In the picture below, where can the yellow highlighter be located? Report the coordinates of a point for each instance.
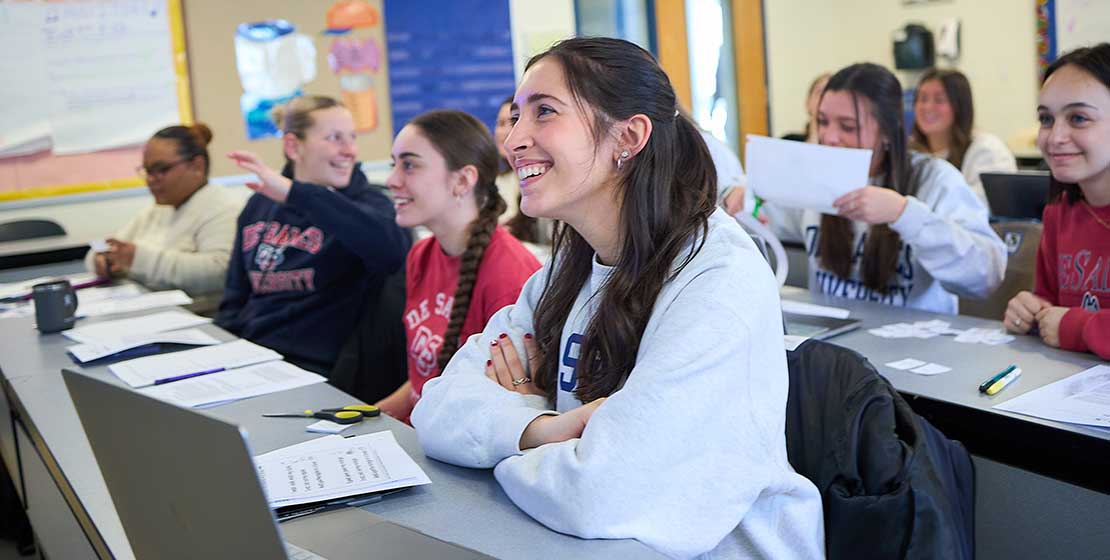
(1004, 382)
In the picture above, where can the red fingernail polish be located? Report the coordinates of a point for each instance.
(527, 336)
(489, 363)
(493, 343)
(503, 335)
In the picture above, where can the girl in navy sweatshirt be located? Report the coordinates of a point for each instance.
(311, 242)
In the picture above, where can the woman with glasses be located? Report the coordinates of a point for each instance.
(314, 243)
(183, 241)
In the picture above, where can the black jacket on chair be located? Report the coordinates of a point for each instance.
(891, 484)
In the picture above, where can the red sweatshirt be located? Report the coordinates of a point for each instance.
(431, 279)
(1073, 270)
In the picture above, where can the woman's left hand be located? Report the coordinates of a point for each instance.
(505, 368)
(872, 205)
(1048, 322)
(272, 184)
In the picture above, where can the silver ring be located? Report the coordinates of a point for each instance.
(521, 381)
(1017, 322)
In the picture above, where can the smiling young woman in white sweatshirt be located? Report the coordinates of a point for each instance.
(629, 393)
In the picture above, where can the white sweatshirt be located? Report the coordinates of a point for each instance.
(688, 457)
(184, 248)
(987, 153)
(948, 246)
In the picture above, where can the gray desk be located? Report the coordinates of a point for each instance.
(466, 506)
(1042, 488)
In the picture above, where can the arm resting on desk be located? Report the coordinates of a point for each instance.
(1084, 331)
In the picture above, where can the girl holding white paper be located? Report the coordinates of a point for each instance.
(916, 236)
(629, 393)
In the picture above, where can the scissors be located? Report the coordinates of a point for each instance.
(351, 414)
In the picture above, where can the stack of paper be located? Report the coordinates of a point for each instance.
(334, 467)
(1083, 398)
(96, 350)
(801, 175)
(130, 303)
(100, 340)
(232, 385)
(164, 368)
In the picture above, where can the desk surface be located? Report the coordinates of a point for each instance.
(465, 506)
(952, 400)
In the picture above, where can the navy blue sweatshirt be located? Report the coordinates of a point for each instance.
(300, 271)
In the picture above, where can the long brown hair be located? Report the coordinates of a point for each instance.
(880, 254)
(1096, 62)
(463, 140)
(958, 91)
(667, 193)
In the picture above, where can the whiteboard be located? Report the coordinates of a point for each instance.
(92, 77)
(1081, 23)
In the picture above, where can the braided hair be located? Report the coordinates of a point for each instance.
(463, 140)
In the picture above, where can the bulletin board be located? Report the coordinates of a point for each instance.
(219, 92)
(86, 83)
(1063, 25)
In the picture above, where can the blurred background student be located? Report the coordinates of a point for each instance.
(944, 125)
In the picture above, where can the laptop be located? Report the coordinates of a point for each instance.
(821, 328)
(185, 487)
(1016, 196)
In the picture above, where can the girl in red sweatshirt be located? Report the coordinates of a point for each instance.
(1071, 303)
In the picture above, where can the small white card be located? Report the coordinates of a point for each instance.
(907, 363)
(98, 246)
(931, 369)
(327, 427)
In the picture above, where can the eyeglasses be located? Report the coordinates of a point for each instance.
(158, 170)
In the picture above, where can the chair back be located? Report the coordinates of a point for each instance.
(19, 230)
(1022, 239)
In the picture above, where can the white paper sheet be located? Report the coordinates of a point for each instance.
(97, 350)
(334, 467)
(98, 246)
(146, 371)
(802, 175)
(327, 427)
(1083, 398)
(931, 369)
(813, 310)
(233, 385)
(109, 332)
(150, 300)
(907, 363)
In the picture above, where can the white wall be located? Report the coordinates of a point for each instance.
(998, 52)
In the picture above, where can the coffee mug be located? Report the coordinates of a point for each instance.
(55, 305)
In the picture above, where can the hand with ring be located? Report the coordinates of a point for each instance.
(1021, 312)
(506, 368)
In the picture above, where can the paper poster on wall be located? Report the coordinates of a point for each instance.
(274, 62)
(356, 58)
(93, 75)
(449, 54)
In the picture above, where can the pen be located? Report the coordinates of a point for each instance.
(987, 384)
(1004, 382)
(186, 376)
(758, 203)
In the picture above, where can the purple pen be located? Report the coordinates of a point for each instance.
(187, 376)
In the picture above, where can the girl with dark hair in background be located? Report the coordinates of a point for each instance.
(184, 240)
(916, 236)
(629, 393)
(1070, 303)
(444, 165)
(312, 241)
(944, 119)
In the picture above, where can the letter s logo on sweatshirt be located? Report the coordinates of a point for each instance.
(568, 372)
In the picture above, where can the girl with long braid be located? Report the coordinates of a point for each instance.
(444, 166)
